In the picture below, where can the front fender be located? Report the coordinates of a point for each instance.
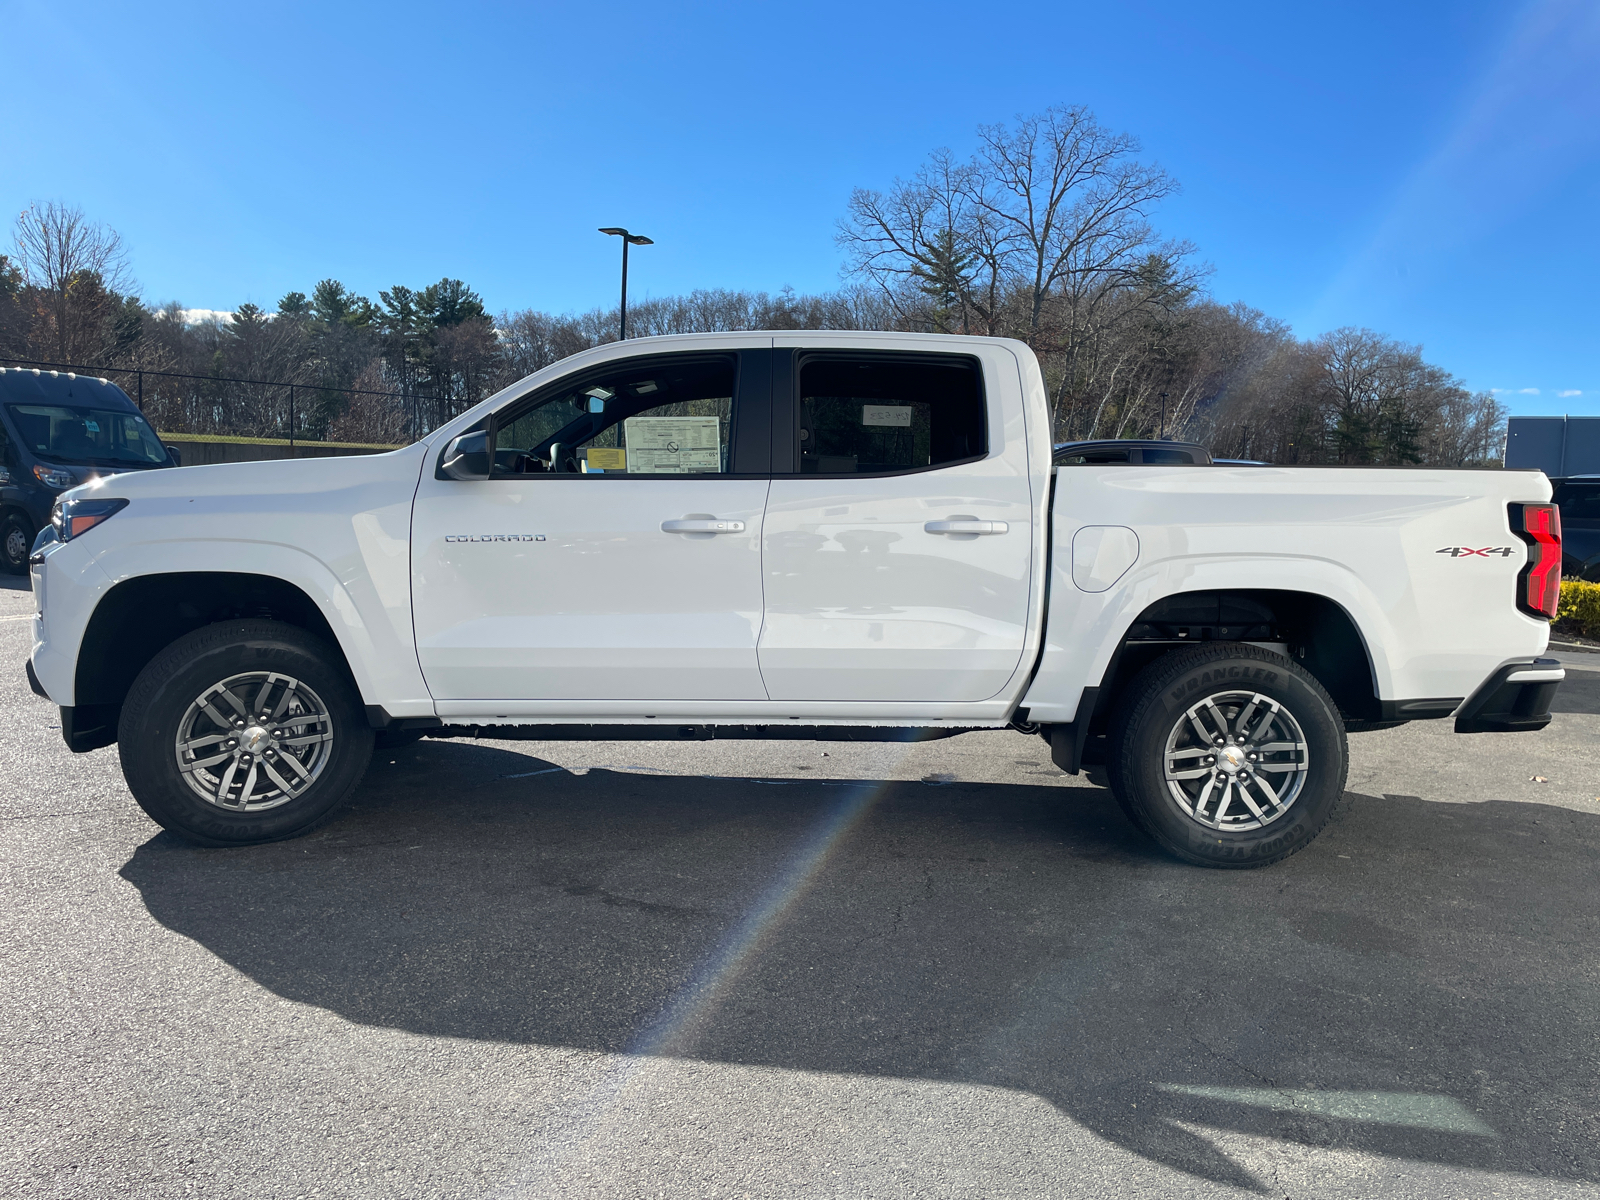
(338, 530)
(375, 641)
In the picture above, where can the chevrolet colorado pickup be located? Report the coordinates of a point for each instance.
(788, 535)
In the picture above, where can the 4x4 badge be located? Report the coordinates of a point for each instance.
(1468, 551)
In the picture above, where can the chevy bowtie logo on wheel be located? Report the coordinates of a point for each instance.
(1468, 551)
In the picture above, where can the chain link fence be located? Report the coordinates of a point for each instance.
(222, 406)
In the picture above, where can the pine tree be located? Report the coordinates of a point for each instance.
(943, 276)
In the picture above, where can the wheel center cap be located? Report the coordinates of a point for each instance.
(1231, 759)
(252, 739)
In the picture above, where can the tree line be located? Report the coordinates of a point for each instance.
(1045, 234)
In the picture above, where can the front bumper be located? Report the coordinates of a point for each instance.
(1515, 699)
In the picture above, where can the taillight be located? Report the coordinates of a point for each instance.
(1539, 583)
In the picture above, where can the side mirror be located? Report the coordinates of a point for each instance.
(174, 456)
(466, 457)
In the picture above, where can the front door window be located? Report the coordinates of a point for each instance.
(659, 417)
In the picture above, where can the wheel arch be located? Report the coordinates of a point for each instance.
(1315, 630)
(1318, 632)
(139, 617)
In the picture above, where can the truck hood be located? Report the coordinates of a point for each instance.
(279, 477)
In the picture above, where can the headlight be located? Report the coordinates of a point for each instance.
(54, 476)
(74, 517)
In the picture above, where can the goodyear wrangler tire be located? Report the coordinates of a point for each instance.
(243, 732)
(1228, 755)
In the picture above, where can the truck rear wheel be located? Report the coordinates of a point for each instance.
(243, 732)
(1228, 755)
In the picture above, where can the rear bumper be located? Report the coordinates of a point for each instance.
(1515, 699)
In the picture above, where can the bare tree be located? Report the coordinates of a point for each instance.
(77, 269)
(1043, 235)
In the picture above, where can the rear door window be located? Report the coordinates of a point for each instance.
(888, 414)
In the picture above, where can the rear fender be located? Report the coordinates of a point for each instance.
(1085, 630)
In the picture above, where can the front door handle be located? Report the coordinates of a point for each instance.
(963, 526)
(701, 525)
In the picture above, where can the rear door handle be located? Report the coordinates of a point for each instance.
(966, 527)
(697, 525)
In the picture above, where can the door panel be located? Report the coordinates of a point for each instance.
(863, 603)
(613, 556)
(903, 587)
(570, 588)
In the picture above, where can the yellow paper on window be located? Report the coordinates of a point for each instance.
(608, 459)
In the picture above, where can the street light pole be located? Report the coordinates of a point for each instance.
(627, 240)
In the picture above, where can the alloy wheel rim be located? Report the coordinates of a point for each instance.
(16, 545)
(254, 741)
(1236, 761)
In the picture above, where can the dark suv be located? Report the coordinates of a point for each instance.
(1578, 498)
(58, 430)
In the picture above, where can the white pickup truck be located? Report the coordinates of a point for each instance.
(854, 536)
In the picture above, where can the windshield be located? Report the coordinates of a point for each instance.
(98, 437)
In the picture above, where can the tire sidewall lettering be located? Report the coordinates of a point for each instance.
(1164, 692)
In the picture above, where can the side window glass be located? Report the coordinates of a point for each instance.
(866, 415)
(648, 417)
(1093, 458)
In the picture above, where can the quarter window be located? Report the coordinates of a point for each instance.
(885, 415)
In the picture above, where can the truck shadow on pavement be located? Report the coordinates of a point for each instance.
(1419, 983)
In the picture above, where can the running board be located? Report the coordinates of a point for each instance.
(694, 733)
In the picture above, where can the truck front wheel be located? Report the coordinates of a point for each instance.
(16, 540)
(1228, 755)
(243, 732)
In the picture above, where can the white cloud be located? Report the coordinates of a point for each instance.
(202, 316)
(1528, 392)
(1569, 392)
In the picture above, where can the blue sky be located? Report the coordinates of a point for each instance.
(1429, 170)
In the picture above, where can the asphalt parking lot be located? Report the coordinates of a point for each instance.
(791, 969)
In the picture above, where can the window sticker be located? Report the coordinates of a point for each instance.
(673, 445)
(886, 414)
(604, 459)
